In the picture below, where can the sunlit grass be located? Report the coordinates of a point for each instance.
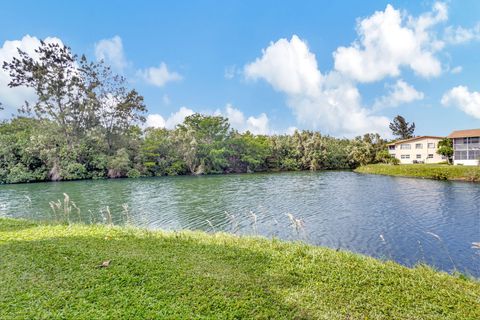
(428, 171)
(52, 271)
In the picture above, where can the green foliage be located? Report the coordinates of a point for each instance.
(445, 148)
(35, 150)
(394, 161)
(401, 128)
(119, 165)
(133, 173)
(383, 156)
(19, 173)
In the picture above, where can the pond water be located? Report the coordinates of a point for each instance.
(407, 220)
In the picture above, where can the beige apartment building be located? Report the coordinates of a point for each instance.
(416, 150)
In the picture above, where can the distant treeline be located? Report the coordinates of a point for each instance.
(86, 124)
(35, 150)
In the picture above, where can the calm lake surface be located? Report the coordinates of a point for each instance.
(406, 220)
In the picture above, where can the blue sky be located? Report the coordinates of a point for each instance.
(343, 67)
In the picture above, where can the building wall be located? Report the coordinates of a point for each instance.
(407, 156)
(466, 162)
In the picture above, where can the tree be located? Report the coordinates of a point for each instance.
(56, 81)
(76, 94)
(445, 148)
(204, 143)
(401, 128)
(383, 156)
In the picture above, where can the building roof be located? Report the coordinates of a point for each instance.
(465, 133)
(414, 139)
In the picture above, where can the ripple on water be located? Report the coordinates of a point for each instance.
(407, 220)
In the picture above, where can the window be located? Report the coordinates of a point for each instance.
(419, 156)
(405, 156)
(460, 155)
(431, 145)
(392, 154)
(473, 154)
(430, 156)
(473, 140)
(419, 146)
(391, 147)
(405, 146)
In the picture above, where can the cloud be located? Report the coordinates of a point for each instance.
(460, 35)
(456, 70)
(291, 130)
(155, 120)
(288, 66)
(399, 93)
(388, 41)
(331, 103)
(178, 117)
(111, 51)
(159, 76)
(236, 118)
(230, 72)
(166, 99)
(462, 98)
(13, 98)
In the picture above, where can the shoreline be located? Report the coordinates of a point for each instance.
(424, 171)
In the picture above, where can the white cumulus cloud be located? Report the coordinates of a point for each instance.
(288, 66)
(155, 120)
(330, 103)
(460, 35)
(238, 121)
(399, 93)
(464, 99)
(389, 40)
(111, 51)
(13, 98)
(159, 76)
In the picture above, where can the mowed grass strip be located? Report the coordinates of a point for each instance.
(427, 171)
(52, 272)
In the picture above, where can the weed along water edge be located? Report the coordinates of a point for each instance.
(410, 221)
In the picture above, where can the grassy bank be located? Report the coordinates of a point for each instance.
(428, 171)
(53, 272)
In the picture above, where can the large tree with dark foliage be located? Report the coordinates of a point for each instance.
(84, 119)
(401, 128)
(76, 94)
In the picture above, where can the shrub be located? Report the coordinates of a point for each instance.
(439, 175)
(133, 173)
(73, 171)
(19, 173)
(394, 161)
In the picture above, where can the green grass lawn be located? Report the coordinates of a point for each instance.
(429, 171)
(51, 272)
